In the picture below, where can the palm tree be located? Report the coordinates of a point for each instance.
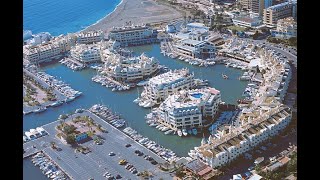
(53, 144)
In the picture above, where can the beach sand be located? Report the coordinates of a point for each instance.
(138, 12)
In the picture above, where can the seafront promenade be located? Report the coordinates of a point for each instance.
(97, 162)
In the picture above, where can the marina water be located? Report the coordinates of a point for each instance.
(64, 16)
(121, 102)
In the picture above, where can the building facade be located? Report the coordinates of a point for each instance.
(54, 49)
(187, 108)
(163, 85)
(133, 35)
(86, 53)
(130, 69)
(247, 21)
(195, 49)
(274, 13)
(286, 28)
(89, 37)
(219, 152)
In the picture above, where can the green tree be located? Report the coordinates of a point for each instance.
(234, 31)
(255, 35)
(70, 139)
(292, 41)
(257, 168)
(179, 172)
(292, 165)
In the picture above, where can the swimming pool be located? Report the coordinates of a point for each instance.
(197, 95)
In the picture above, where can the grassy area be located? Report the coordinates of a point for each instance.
(288, 42)
(237, 28)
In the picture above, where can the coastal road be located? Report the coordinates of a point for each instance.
(289, 53)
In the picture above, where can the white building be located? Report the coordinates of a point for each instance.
(221, 151)
(41, 53)
(54, 49)
(86, 53)
(133, 35)
(196, 26)
(187, 108)
(130, 69)
(286, 28)
(195, 49)
(247, 21)
(39, 38)
(89, 37)
(163, 85)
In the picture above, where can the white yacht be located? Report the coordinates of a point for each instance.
(179, 132)
(184, 132)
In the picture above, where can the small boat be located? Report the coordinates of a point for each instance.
(39, 110)
(168, 132)
(184, 132)
(55, 104)
(189, 131)
(165, 129)
(70, 99)
(225, 76)
(194, 131)
(179, 133)
(153, 125)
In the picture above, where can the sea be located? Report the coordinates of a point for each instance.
(60, 17)
(64, 16)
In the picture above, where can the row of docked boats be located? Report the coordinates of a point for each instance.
(164, 153)
(235, 64)
(33, 134)
(47, 167)
(185, 132)
(167, 130)
(146, 103)
(60, 86)
(106, 114)
(246, 76)
(72, 64)
(104, 81)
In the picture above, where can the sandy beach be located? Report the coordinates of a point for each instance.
(136, 11)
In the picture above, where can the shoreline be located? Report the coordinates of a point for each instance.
(103, 17)
(137, 11)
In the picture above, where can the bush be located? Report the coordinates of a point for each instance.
(70, 139)
(69, 129)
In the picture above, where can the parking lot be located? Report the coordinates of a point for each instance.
(98, 162)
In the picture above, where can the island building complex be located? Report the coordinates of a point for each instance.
(187, 109)
(130, 69)
(163, 85)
